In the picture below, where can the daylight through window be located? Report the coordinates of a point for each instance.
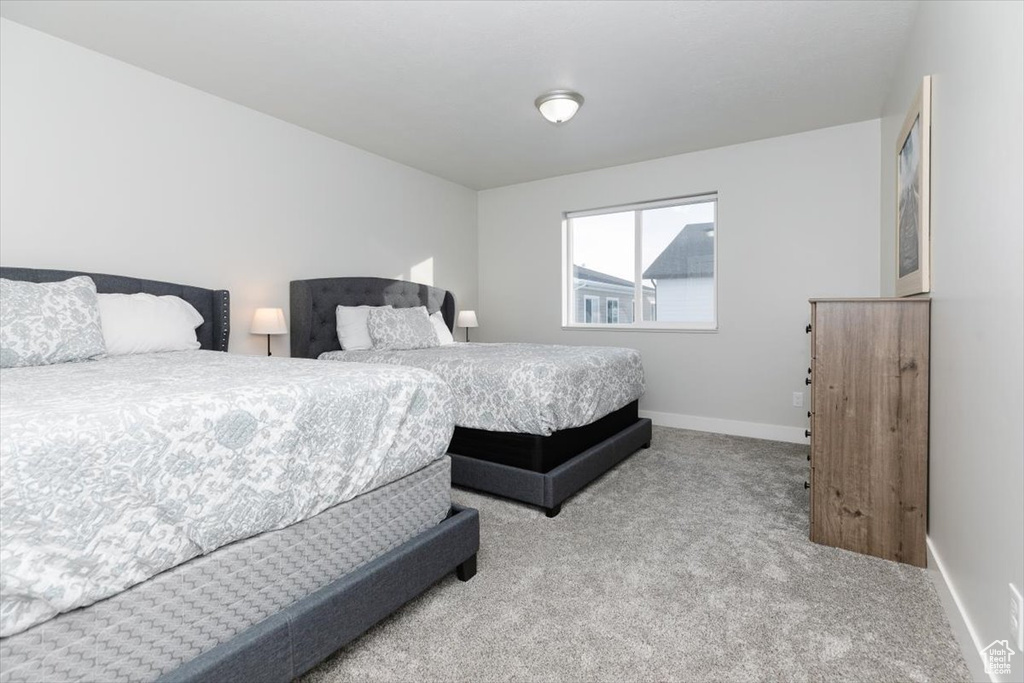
(643, 266)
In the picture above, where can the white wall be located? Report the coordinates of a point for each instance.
(976, 482)
(110, 168)
(797, 217)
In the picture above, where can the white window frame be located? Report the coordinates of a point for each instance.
(608, 310)
(638, 324)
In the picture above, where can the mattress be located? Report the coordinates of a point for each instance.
(118, 469)
(524, 388)
(154, 627)
(540, 453)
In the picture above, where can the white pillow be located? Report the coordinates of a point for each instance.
(144, 323)
(353, 332)
(444, 335)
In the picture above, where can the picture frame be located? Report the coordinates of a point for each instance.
(913, 196)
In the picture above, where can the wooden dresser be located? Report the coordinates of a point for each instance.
(869, 426)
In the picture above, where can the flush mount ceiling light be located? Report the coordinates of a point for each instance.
(558, 106)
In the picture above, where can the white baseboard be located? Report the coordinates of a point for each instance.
(755, 430)
(964, 632)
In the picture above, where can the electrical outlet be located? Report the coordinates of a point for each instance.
(1017, 617)
(798, 399)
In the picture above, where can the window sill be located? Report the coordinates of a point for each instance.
(666, 327)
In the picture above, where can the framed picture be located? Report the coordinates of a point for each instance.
(913, 182)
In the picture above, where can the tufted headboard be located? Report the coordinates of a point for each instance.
(314, 328)
(212, 304)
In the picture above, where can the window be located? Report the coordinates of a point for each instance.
(612, 308)
(662, 254)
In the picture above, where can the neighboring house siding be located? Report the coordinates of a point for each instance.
(603, 292)
(684, 276)
(686, 299)
(604, 287)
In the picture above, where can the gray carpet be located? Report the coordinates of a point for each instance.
(688, 562)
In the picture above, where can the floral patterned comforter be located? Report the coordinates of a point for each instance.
(117, 469)
(524, 388)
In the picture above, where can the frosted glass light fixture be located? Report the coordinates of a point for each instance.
(558, 106)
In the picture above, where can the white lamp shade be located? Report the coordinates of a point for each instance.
(268, 321)
(467, 319)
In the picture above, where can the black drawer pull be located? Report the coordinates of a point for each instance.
(808, 371)
(807, 381)
(807, 433)
(808, 457)
(807, 485)
(808, 328)
(808, 414)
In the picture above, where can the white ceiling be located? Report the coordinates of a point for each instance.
(448, 87)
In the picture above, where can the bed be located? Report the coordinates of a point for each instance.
(192, 532)
(549, 451)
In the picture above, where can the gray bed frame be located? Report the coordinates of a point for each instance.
(290, 643)
(314, 331)
(293, 641)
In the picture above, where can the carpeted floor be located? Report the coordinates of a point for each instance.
(688, 562)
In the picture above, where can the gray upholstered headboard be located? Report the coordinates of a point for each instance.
(314, 327)
(212, 304)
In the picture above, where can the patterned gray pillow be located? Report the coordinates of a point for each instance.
(51, 322)
(401, 328)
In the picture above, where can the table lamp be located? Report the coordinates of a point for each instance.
(268, 321)
(467, 319)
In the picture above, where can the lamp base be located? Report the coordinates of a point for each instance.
(268, 344)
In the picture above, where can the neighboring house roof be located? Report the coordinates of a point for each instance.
(582, 273)
(597, 277)
(690, 254)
